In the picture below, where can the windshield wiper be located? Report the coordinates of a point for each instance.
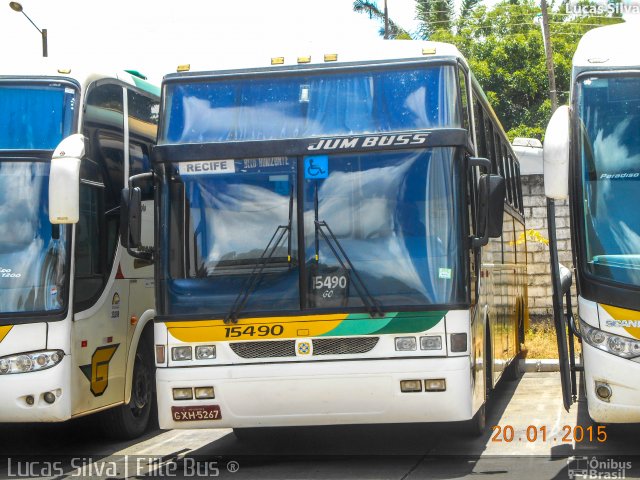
(371, 304)
(258, 268)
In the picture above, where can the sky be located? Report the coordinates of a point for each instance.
(156, 36)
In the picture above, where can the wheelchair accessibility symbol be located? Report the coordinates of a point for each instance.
(316, 166)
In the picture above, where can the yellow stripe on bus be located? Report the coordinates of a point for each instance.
(618, 313)
(4, 331)
(254, 328)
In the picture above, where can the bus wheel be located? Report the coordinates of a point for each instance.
(131, 420)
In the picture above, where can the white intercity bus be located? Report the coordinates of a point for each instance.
(331, 248)
(76, 309)
(592, 157)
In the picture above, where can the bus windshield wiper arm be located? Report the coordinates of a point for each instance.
(371, 304)
(261, 263)
(256, 274)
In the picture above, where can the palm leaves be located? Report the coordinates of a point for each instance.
(371, 8)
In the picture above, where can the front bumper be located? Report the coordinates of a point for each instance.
(321, 393)
(622, 376)
(15, 388)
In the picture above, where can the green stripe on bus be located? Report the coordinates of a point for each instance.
(393, 322)
(412, 322)
(360, 324)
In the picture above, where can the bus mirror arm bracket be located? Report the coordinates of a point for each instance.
(131, 218)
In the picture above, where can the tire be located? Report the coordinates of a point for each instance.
(130, 420)
(513, 372)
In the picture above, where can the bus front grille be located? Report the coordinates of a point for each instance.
(265, 349)
(321, 346)
(343, 346)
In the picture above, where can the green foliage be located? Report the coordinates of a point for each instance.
(370, 8)
(434, 15)
(504, 47)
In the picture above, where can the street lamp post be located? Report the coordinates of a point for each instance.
(16, 7)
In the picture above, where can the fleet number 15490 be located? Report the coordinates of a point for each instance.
(253, 331)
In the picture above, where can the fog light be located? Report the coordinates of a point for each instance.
(182, 394)
(410, 385)
(49, 397)
(29, 400)
(205, 352)
(603, 391)
(458, 342)
(160, 354)
(405, 344)
(181, 353)
(430, 343)
(435, 385)
(204, 392)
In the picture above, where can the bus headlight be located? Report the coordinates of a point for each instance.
(30, 362)
(430, 343)
(608, 342)
(406, 344)
(205, 352)
(180, 353)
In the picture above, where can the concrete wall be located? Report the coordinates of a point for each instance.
(538, 267)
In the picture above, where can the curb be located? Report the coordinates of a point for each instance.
(540, 365)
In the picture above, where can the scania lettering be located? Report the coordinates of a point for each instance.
(375, 273)
(76, 310)
(592, 157)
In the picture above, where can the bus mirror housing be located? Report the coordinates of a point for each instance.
(130, 217)
(64, 181)
(497, 194)
(556, 155)
(490, 208)
(490, 212)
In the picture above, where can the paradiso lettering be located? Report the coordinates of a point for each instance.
(369, 142)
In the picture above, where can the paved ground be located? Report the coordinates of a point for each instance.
(538, 440)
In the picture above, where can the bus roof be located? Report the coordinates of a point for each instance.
(53, 68)
(609, 47)
(315, 54)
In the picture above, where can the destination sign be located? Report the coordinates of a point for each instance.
(207, 167)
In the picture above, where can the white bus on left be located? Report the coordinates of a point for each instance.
(76, 310)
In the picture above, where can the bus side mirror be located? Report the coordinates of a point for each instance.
(64, 181)
(491, 196)
(131, 218)
(492, 188)
(556, 155)
(131, 210)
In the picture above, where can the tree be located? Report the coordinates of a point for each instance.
(371, 8)
(434, 15)
(504, 47)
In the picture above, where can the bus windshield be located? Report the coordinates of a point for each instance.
(35, 116)
(609, 115)
(393, 219)
(307, 105)
(32, 261)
